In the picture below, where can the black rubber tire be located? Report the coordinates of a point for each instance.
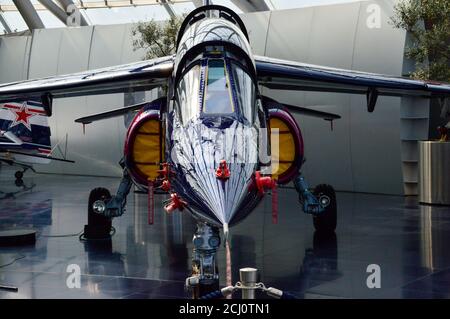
(99, 226)
(19, 182)
(18, 175)
(96, 194)
(326, 222)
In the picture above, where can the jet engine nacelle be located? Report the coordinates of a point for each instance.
(287, 148)
(144, 144)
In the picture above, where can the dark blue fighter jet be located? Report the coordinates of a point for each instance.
(214, 143)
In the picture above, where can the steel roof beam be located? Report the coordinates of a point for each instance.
(5, 24)
(83, 5)
(66, 5)
(29, 14)
(55, 9)
(251, 5)
(168, 8)
(200, 3)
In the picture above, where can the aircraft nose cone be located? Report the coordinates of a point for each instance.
(197, 154)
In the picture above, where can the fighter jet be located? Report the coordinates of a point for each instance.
(214, 142)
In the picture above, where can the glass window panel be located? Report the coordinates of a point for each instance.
(188, 94)
(245, 92)
(217, 97)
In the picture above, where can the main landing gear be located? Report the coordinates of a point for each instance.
(99, 225)
(19, 174)
(320, 203)
(19, 178)
(103, 207)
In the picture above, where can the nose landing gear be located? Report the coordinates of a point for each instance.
(205, 273)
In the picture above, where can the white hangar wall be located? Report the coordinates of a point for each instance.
(364, 151)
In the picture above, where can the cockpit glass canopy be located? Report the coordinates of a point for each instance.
(216, 87)
(218, 98)
(244, 91)
(188, 94)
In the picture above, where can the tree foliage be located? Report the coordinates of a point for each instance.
(158, 39)
(428, 23)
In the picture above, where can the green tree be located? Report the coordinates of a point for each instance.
(428, 24)
(158, 39)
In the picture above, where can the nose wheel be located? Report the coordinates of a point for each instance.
(205, 273)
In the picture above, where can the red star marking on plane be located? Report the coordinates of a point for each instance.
(22, 116)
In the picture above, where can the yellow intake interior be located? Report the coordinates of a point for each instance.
(283, 150)
(147, 149)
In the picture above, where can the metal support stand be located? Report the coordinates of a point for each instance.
(248, 278)
(248, 285)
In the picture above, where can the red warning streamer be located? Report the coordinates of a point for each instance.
(229, 279)
(275, 204)
(151, 203)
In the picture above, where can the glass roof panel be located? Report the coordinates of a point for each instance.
(290, 4)
(125, 15)
(121, 11)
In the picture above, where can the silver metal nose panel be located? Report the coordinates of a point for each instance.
(196, 154)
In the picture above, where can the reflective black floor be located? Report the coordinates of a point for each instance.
(408, 242)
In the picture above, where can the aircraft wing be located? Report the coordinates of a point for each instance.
(136, 76)
(289, 75)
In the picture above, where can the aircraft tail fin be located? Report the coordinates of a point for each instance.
(24, 125)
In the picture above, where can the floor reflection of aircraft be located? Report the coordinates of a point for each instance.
(25, 136)
(13, 194)
(320, 263)
(320, 266)
(33, 209)
(22, 210)
(207, 141)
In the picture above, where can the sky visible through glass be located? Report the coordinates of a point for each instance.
(142, 13)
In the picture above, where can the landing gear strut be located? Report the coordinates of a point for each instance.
(205, 275)
(19, 175)
(320, 203)
(103, 207)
